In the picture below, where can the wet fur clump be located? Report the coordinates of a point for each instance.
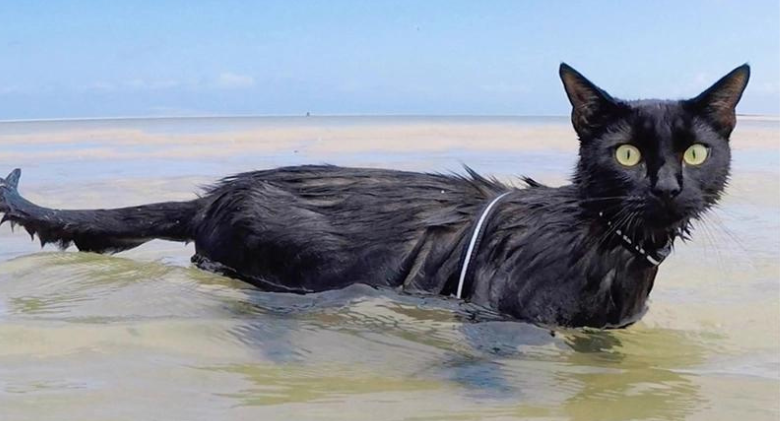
(566, 256)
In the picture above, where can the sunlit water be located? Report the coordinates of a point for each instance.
(143, 335)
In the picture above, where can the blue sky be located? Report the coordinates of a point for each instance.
(71, 59)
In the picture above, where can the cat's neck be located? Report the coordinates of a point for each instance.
(609, 218)
(569, 266)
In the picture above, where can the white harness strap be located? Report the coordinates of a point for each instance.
(473, 243)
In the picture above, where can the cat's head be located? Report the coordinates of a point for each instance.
(653, 165)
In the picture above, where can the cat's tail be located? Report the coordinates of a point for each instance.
(99, 230)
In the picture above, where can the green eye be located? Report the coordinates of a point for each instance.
(628, 155)
(696, 154)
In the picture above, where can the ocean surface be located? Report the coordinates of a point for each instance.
(143, 335)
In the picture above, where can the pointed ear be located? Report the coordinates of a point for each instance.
(591, 106)
(718, 103)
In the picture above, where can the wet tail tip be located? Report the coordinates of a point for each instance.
(12, 180)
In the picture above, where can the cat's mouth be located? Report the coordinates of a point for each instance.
(665, 216)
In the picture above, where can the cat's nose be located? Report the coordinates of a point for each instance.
(667, 188)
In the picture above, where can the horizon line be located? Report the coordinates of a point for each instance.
(229, 116)
(248, 116)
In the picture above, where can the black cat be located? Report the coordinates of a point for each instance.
(585, 254)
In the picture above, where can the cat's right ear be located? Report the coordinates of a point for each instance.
(718, 103)
(591, 106)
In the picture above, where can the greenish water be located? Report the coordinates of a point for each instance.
(143, 335)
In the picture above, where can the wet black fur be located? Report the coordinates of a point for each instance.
(547, 256)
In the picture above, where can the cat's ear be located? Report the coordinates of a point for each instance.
(591, 106)
(718, 103)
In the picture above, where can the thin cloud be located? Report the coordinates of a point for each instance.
(4, 90)
(133, 85)
(228, 80)
(153, 84)
(504, 88)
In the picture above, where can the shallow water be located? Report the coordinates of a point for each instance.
(143, 335)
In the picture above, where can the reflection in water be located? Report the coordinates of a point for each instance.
(591, 374)
(275, 385)
(357, 341)
(622, 383)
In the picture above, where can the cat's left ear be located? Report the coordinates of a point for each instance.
(592, 107)
(718, 103)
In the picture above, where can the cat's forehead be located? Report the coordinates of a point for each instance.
(655, 114)
(659, 120)
(651, 122)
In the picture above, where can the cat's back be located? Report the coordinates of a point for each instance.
(539, 204)
(324, 180)
(343, 192)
